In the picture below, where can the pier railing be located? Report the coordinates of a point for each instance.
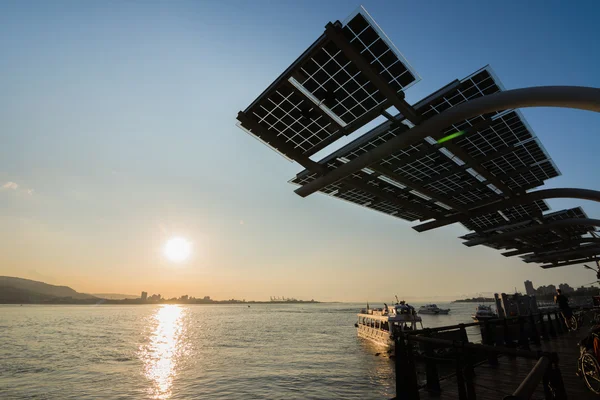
(448, 347)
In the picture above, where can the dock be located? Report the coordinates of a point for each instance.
(532, 357)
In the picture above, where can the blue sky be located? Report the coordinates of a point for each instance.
(118, 126)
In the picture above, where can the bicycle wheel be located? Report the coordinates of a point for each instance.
(590, 370)
(574, 323)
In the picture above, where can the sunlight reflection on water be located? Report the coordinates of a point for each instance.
(161, 353)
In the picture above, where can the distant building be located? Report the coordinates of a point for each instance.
(144, 296)
(184, 297)
(550, 289)
(565, 288)
(529, 288)
(207, 298)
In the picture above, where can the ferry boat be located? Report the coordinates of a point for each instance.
(377, 324)
(483, 312)
(433, 309)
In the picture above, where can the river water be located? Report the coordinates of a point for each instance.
(295, 351)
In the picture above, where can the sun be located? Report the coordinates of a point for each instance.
(177, 249)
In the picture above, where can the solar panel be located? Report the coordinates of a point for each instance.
(399, 201)
(507, 146)
(540, 238)
(319, 97)
(508, 215)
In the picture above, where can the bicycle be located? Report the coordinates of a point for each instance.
(588, 367)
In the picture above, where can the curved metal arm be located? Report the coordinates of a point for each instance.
(583, 98)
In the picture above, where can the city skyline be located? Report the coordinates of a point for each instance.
(118, 136)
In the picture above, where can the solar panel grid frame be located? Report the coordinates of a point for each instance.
(330, 76)
(284, 112)
(436, 162)
(507, 126)
(451, 183)
(423, 169)
(379, 182)
(536, 173)
(484, 75)
(506, 130)
(514, 214)
(543, 237)
(525, 154)
(326, 69)
(361, 198)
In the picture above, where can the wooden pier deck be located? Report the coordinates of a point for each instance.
(525, 357)
(496, 382)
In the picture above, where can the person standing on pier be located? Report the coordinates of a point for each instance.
(563, 304)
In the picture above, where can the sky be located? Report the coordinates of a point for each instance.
(117, 132)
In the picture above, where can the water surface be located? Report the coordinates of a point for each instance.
(295, 351)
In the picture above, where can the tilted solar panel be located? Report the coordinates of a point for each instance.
(541, 238)
(508, 215)
(434, 170)
(324, 95)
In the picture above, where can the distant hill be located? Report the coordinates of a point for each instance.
(115, 296)
(19, 290)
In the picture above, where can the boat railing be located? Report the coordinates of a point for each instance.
(449, 346)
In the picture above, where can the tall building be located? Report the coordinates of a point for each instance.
(144, 296)
(529, 288)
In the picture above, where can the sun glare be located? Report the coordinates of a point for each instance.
(177, 249)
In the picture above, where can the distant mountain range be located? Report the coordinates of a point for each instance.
(115, 296)
(19, 290)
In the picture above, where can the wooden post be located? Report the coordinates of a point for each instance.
(543, 329)
(406, 388)
(433, 378)
(534, 334)
(465, 339)
(507, 336)
(523, 340)
(460, 378)
(411, 378)
(490, 340)
(551, 325)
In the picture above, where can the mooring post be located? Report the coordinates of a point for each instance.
(534, 333)
(406, 381)
(433, 378)
(411, 378)
(460, 377)
(523, 337)
(507, 336)
(490, 340)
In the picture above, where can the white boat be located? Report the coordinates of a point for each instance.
(433, 309)
(484, 312)
(377, 324)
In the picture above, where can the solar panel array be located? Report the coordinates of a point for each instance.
(507, 147)
(323, 91)
(330, 91)
(546, 237)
